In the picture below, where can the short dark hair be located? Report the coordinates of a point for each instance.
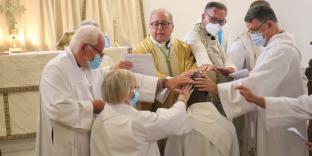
(217, 5)
(262, 13)
(259, 2)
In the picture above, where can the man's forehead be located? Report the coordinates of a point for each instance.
(215, 12)
(160, 16)
(253, 23)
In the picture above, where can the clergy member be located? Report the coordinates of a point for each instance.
(70, 95)
(171, 56)
(208, 52)
(277, 73)
(243, 54)
(212, 134)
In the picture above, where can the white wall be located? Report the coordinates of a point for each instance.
(293, 16)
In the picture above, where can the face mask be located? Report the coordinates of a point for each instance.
(135, 98)
(213, 29)
(95, 63)
(258, 39)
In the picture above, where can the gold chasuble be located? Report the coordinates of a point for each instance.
(170, 60)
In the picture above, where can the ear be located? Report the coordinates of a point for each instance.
(270, 24)
(82, 47)
(203, 16)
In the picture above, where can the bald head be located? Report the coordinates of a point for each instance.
(161, 25)
(161, 12)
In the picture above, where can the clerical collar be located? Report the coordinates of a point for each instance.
(164, 44)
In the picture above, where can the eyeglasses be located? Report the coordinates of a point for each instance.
(257, 29)
(97, 50)
(164, 25)
(216, 20)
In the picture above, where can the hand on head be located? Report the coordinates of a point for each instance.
(206, 84)
(176, 82)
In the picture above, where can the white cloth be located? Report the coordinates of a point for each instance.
(212, 134)
(206, 52)
(277, 73)
(243, 53)
(122, 130)
(66, 111)
(284, 112)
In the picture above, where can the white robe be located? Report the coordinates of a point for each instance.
(243, 53)
(284, 112)
(121, 130)
(277, 73)
(202, 55)
(211, 135)
(66, 111)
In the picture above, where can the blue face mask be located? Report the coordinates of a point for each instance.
(95, 63)
(258, 39)
(135, 98)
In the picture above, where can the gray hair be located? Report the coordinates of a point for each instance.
(85, 34)
(259, 2)
(117, 85)
(88, 22)
(262, 13)
(217, 5)
(164, 11)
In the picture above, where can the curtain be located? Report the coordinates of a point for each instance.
(45, 21)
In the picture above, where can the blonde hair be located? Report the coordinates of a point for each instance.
(116, 85)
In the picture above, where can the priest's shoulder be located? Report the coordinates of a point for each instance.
(181, 44)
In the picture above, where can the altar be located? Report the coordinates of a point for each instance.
(19, 97)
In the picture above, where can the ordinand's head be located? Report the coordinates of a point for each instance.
(262, 23)
(118, 86)
(87, 45)
(200, 96)
(213, 17)
(161, 25)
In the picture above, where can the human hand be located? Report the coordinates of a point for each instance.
(206, 84)
(205, 67)
(224, 70)
(176, 82)
(309, 144)
(98, 106)
(122, 65)
(251, 97)
(185, 93)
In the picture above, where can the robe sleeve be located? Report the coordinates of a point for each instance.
(283, 111)
(198, 49)
(147, 87)
(59, 103)
(264, 80)
(163, 123)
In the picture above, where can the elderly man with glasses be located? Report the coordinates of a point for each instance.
(172, 58)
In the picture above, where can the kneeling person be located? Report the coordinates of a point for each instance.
(212, 134)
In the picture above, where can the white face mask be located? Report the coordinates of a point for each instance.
(213, 29)
(258, 39)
